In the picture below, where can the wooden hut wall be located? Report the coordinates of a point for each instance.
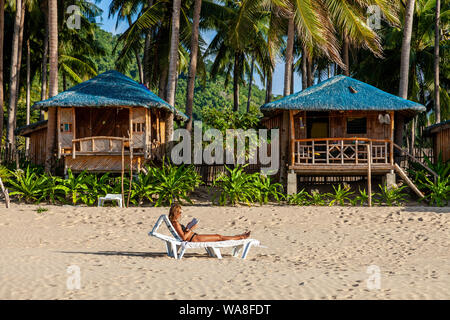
(65, 127)
(37, 146)
(375, 129)
(112, 122)
(441, 141)
(138, 117)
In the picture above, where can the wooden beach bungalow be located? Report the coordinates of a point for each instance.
(338, 128)
(101, 119)
(440, 135)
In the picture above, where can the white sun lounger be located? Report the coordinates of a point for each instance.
(173, 244)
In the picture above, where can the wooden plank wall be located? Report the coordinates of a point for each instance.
(37, 146)
(442, 144)
(375, 130)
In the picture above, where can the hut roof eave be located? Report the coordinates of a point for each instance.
(341, 93)
(109, 89)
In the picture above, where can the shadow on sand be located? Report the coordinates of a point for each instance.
(137, 254)
(427, 209)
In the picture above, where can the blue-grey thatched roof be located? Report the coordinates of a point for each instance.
(109, 89)
(343, 93)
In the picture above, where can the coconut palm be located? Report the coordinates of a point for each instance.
(437, 106)
(53, 81)
(193, 62)
(2, 28)
(406, 47)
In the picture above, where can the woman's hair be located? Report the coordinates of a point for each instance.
(175, 208)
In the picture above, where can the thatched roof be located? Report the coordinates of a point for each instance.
(28, 129)
(437, 127)
(343, 93)
(109, 89)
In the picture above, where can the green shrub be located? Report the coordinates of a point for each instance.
(390, 196)
(27, 185)
(438, 193)
(299, 199)
(266, 189)
(236, 186)
(317, 198)
(340, 195)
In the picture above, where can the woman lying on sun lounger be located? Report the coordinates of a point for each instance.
(187, 234)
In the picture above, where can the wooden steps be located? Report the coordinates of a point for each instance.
(407, 180)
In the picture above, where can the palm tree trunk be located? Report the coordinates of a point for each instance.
(193, 63)
(309, 71)
(44, 64)
(292, 78)
(15, 73)
(346, 57)
(437, 105)
(2, 30)
(249, 97)
(289, 56)
(236, 73)
(269, 87)
(162, 90)
(147, 49)
(173, 64)
(406, 46)
(27, 140)
(53, 82)
(304, 70)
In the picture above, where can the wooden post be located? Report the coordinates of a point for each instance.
(292, 137)
(123, 168)
(131, 172)
(312, 151)
(5, 193)
(328, 152)
(58, 130)
(369, 175)
(391, 144)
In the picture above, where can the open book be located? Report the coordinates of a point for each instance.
(192, 223)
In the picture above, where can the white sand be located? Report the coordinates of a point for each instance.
(313, 253)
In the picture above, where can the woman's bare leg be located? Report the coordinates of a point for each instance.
(218, 237)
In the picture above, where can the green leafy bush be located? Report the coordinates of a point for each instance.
(266, 189)
(390, 196)
(236, 186)
(340, 195)
(299, 199)
(27, 185)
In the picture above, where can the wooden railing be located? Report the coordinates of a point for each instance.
(99, 144)
(340, 151)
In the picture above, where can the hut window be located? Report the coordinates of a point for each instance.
(66, 127)
(138, 127)
(356, 125)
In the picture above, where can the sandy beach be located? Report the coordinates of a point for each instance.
(312, 253)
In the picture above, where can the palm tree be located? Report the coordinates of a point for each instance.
(53, 81)
(16, 55)
(437, 107)
(406, 47)
(2, 27)
(193, 62)
(289, 56)
(173, 64)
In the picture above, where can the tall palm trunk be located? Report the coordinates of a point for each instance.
(289, 56)
(53, 82)
(236, 73)
(2, 29)
(147, 50)
(249, 97)
(304, 70)
(193, 63)
(28, 99)
(15, 72)
(404, 67)
(173, 64)
(345, 56)
(437, 105)
(269, 88)
(406, 46)
(44, 93)
(292, 78)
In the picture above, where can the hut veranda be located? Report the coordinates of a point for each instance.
(339, 127)
(102, 120)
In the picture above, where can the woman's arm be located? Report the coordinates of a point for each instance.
(184, 235)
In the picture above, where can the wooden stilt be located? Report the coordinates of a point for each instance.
(369, 174)
(123, 169)
(5, 193)
(131, 173)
